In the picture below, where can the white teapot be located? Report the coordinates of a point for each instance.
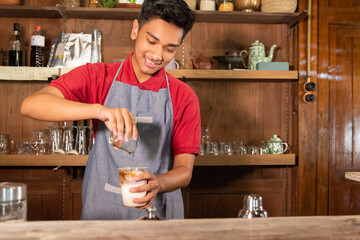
(276, 145)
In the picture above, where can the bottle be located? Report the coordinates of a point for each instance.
(15, 48)
(37, 48)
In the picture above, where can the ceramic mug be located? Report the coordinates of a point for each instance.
(172, 65)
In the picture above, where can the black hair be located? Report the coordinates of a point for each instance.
(176, 12)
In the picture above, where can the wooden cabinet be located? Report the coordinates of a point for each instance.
(235, 105)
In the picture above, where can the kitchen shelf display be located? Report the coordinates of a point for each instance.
(42, 74)
(290, 19)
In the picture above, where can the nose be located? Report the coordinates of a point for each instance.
(157, 52)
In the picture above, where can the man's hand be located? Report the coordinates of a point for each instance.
(118, 120)
(176, 178)
(152, 188)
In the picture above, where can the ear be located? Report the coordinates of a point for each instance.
(135, 30)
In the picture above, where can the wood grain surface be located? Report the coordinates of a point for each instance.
(330, 227)
(206, 160)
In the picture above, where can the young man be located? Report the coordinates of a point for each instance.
(112, 95)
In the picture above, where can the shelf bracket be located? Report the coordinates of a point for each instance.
(297, 19)
(62, 12)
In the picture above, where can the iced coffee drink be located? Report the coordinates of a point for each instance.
(126, 181)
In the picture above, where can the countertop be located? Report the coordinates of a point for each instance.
(324, 227)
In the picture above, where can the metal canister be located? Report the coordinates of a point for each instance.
(252, 207)
(13, 204)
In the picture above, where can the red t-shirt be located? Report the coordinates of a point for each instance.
(91, 83)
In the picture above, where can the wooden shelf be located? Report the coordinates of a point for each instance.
(234, 74)
(208, 160)
(131, 13)
(245, 160)
(42, 74)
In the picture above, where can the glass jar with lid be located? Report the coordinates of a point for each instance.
(70, 3)
(95, 4)
(226, 5)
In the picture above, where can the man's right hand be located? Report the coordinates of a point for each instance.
(120, 121)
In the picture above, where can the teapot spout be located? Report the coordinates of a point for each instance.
(271, 54)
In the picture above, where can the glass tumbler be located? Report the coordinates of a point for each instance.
(55, 139)
(40, 141)
(81, 140)
(68, 140)
(6, 144)
(126, 182)
(129, 146)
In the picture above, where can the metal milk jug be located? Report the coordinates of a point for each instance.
(252, 207)
(13, 204)
(257, 54)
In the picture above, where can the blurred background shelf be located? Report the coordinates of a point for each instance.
(42, 74)
(132, 13)
(208, 160)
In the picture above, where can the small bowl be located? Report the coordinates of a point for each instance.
(247, 5)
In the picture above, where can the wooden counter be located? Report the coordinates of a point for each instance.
(327, 227)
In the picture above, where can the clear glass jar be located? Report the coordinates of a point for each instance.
(13, 204)
(226, 5)
(70, 3)
(95, 4)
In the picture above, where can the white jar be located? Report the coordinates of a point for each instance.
(207, 5)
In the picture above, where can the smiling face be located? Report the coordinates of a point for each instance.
(156, 44)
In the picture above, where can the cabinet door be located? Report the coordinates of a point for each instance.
(344, 118)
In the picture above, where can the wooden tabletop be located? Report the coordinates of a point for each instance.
(327, 227)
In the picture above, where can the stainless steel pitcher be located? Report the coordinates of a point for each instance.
(252, 207)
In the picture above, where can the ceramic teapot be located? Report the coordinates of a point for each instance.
(257, 54)
(201, 63)
(276, 145)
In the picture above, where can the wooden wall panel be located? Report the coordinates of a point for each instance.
(219, 191)
(215, 39)
(247, 111)
(344, 110)
(44, 188)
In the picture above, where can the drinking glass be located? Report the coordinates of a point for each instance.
(55, 139)
(126, 182)
(226, 148)
(129, 146)
(212, 148)
(202, 149)
(81, 140)
(68, 140)
(91, 139)
(6, 144)
(205, 135)
(25, 148)
(237, 145)
(40, 141)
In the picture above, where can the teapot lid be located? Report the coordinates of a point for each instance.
(257, 43)
(275, 138)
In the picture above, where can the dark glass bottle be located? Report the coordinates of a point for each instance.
(37, 48)
(15, 47)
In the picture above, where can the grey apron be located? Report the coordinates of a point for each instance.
(101, 193)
